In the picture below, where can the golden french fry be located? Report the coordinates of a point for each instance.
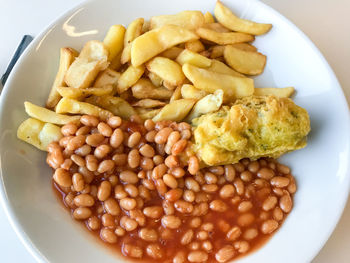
(107, 77)
(171, 53)
(220, 67)
(245, 46)
(223, 38)
(114, 40)
(155, 79)
(116, 105)
(187, 56)
(46, 115)
(146, 114)
(38, 133)
(217, 27)
(132, 32)
(116, 63)
(208, 18)
(148, 103)
(195, 46)
(79, 94)
(229, 20)
(176, 94)
(166, 69)
(144, 89)
(278, 92)
(209, 103)
(209, 81)
(153, 42)
(67, 56)
(175, 111)
(83, 71)
(187, 19)
(66, 105)
(129, 77)
(247, 62)
(188, 91)
(146, 27)
(216, 51)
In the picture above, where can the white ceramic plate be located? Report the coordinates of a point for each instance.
(321, 169)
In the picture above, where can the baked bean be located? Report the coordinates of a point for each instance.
(239, 167)
(89, 120)
(241, 246)
(108, 235)
(149, 125)
(158, 159)
(183, 207)
(239, 186)
(111, 206)
(128, 203)
(269, 226)
(67, 164)
(263, 162)
(127, 223)
(162, 136)
(161, 187)
(223, 225)
(137, 215)
(233, 233)
(194, 245)
(108, 220)
(245, 206)
(150, 136)
(83, 130)
(197, 256)
(83, 150)
(148, 184)
(168, 207)
(189, 196)
(277, 214)
(132, 190)
(218, 170)
(285, 202)
(78, 160)
(147, 151)
(264, 215)
(179, 257)
(129, 177)
(183, 126)
(254, 167)
(172, 139)
(170, 181)
(69, 200)
(62, 142)
(104, 129)
(225, 254)
(134, 158)
(86, 189)
(171, 221)
(200, 209)
(105, 166)
(148, 234)
(202, 235)
(134, 139)
(94, 139)
(159, 171)
(178, 147)
(119, 231)
(266, 173)
(104, 190)
(62, 177)
(113, 179)
(192, 184)
(269, 203)
(186, 134)
(154, 212)
(227, 191)
(195, 222)
(210, 188)
(94, 223)
(114, 121)
(245, 219)
(78, 182)
(132, 251)
(178, 172)
(75, 142)
(193, 165)
(172, 161)
(88, 175)
(207, 227)
(84, 200)
(246, 176)
(102, 151)
(116, 138)
(91, 162)
(120, 159)
(187, 237)
(280, 181)
(69, 129)
(250, 234)
(93, 191)
(230, 173)
(82, 213)
(207, 246)
(154, 251)
(283, 169)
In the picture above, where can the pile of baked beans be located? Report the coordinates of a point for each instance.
(128, 181)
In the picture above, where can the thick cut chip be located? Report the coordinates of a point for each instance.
(146, 114)
(209, 103)
(220, 67)
(245, 46)
(46, 115)
(193, 58)
(156, 41)
(144, 89)
(278, 92)
(195, 46)
(166, 69)
(129, 77)
(208, 18)
(67, 56)
(116, 105)
(107, 77)
(176, 94)
(155, 79)
(132, 32)
(246, 62)
(216, 51)
(187, 19)
(175, 111)
(83, 71)
(66, 105)
(149, 103)
(79, 94)
(188, 91)
(229, 20)
(209, 81)
(172, 53)
(38, 133)
(114, 40)
(217, 27)
(223, 38)
(116, 63)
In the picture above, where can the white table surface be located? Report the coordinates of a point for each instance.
(326, 22)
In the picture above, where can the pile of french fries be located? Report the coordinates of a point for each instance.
(173, 67)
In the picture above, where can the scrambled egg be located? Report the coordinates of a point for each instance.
(254, 127)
